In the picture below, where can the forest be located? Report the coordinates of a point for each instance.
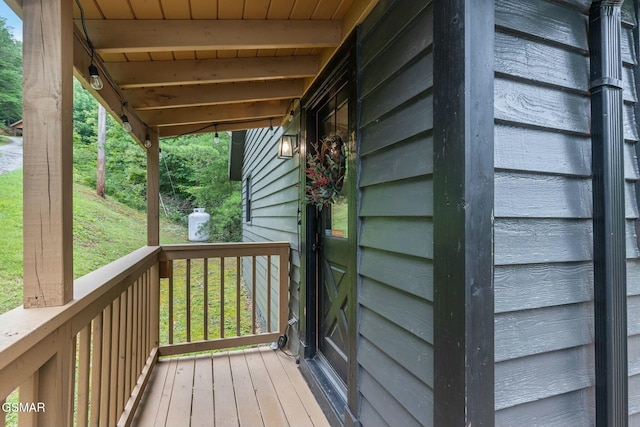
(193, 168)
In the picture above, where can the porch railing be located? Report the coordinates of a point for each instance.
(88, 362)
(209, 296)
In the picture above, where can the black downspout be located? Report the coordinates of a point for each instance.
(609, 251)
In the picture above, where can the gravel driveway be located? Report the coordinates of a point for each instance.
(11, 155)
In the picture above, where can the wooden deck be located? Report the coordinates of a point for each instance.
(246, 388)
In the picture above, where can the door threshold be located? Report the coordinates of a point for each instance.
(328, 389)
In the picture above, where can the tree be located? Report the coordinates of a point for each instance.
(10, 76)
(102, 136)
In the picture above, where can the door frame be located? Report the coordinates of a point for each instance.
(341, 69)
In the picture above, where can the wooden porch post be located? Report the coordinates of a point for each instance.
(48, 137)
(153, 189)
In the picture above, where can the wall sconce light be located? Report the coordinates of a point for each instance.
(288, 145)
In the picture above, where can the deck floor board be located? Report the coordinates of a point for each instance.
(245, 388)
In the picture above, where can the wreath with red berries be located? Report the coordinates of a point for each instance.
(326, 162)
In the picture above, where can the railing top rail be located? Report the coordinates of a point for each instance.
(215, 250)
(21, 329)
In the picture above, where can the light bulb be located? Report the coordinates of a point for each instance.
(147, 141)
(125, 123)
(286, 147)
(94, 78)
(216, 138)
(291, 114)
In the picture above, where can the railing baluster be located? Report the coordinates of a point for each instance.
(238, 296)
(72, 384)
(222, 297)
(115, 341)
(253, 294)
(268, 293)
(127, 341)
(105, 377)
(171, 307)
(96, 371)
(84, 366)
(283, 289)
(135, 368)
(3, 415)
(187, 298)
(122, 351)
(28, 393)
(205, 311)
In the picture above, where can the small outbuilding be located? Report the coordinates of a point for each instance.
(16, 128)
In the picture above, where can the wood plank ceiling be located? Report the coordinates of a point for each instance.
(191, 66)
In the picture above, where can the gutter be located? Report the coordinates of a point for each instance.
(609, 250)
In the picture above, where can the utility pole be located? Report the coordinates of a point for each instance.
(102, 136)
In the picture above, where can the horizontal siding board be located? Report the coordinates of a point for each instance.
(409, 197)
(412, 394)
(523, 287)
(634, 400)
(518, 102)
(534, 241)
(540, 241)
(386, 407)
(633, 315)
(390, 26)
(629, 85)
(413, 42)
(528, 332)
(414, 79)
(540, 62)
(633, 277)
(630, 162)
(413, 158)
(406, 273)
(413, 314)
(543, 196)
(550, 196)
(628, 51)
(561, 24)
(569, 409)
(634, 355)
(630, 127)
(285, 194)
(411, 236)
(628, 14)
(368, 414)
(634, 397)
(544, 375)
(409, 120)
(409, 351)
(537, 150)
(285, 209)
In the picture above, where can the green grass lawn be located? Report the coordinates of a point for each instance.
(103, 231)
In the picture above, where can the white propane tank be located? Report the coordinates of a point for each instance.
(197, 221)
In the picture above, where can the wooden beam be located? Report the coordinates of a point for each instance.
(172, 131)
(125, 36)
(15, 6)
(165, 73)
(153, 191)
(216, 113)
(108, 96)
(222, 93)
(48, 159)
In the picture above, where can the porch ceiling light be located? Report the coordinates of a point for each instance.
(288, 145)
(94, 78)
(125, 123)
